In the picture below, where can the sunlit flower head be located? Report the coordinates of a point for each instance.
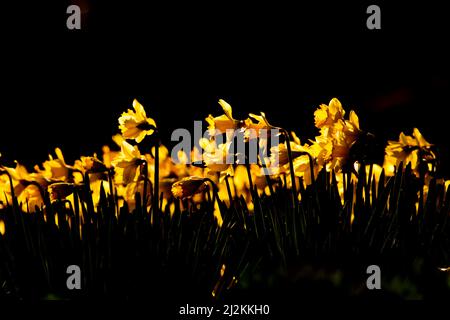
(216, 158)
(224, 122)
(127, 162)
(134, 124)
(30, 198)
(20, 174)
(55, 169)
(327, 115)
(408, 149)
(279, 154)
(92, 164)
(337, 136)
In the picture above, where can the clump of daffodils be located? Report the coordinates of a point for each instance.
(132, 167)
(414, 150)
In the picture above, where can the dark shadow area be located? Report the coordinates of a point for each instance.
(67, 88)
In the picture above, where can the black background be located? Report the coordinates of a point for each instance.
(67, 88)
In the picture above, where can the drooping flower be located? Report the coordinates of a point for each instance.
(127, 162)
(25, 187)
(60, 190)
(30, 198)
(408, 149)
(224, 122)
(216, 158)
(279, 154)
(135, 124)
(5, 191)
(91, 164)
(55, 169)
(187, 187)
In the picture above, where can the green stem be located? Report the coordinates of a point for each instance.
(311, 168)
(250, 180)
(421, 184)
(156, 179)
(291, 168)
(266, 175)
(144, 169)
(230, 196)
(215, 193)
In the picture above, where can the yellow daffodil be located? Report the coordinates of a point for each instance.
(55, 169)
(408, 149)
(108, 156)
(279, 154)
(216, 158)
(127, 162)
(187, 187)
(263, 123)
(302, 168)
(25, 186)
(337, 135)
(327, 115)
(224, 122)
(5, 191)
(30, 198)
(60, 190)
(135, 124)
(321, 149)
(255, 130)
(91, 164)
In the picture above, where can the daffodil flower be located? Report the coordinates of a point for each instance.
(60, 190)
(135, 124)
(91, 164)
(55, 169)
(224, 123)
(408, 149)
(216, 158)
(25, 187)
(189, 186)
(337, 135)
(327, 115)
(127, 162)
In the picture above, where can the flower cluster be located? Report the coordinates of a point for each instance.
(133, 169)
